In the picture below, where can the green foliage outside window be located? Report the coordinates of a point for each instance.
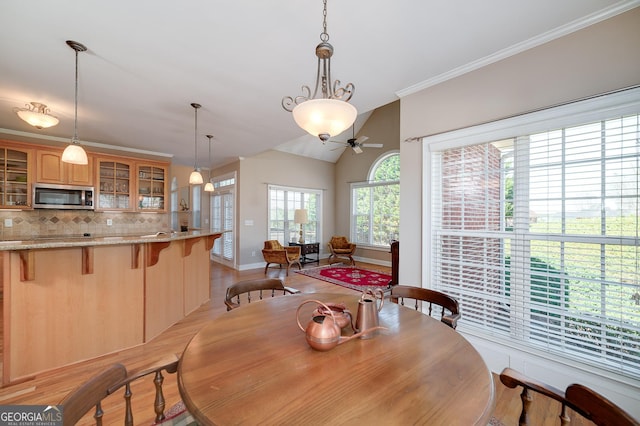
(376, 204)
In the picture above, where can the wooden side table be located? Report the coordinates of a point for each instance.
(308, 248)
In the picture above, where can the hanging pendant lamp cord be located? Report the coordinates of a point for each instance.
(75, 116)
(325, 35)
(195, 140)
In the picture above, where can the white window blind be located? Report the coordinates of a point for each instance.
(537, 236)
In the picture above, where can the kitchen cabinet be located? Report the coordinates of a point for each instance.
(114, 184)
(51, 169)
(152, 187)
(15, 177)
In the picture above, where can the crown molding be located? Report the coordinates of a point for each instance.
(26, 136)
(548, 36)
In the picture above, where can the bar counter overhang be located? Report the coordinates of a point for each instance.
(76, 298)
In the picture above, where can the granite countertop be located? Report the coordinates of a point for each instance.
(85, 241)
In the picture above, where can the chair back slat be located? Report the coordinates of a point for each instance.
(91, 394)
(579, 398)
(267, 285)
(442, 301)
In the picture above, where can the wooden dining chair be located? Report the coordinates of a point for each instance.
(113, 378)
(445, 303)
(264, 287)
(579, 398)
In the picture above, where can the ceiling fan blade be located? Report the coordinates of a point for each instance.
(361, 139)
(340, 142)
(335, 149)
(371, 145)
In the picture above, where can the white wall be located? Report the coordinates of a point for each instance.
(277, 168)
(595, 60)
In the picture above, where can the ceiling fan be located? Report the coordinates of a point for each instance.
(357, 143)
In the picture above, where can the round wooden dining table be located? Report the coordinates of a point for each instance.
(252, 366)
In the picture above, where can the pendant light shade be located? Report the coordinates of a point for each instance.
(37, 115)
(330, 114)
(324, 117)
(74, 153)
(196, 177)
(208, 187)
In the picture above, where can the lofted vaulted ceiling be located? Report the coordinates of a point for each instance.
(147, 60)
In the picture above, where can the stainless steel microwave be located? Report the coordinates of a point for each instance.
(52, 196)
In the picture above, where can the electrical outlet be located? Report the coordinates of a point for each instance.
(109, 222)
(253, 253)
(8, 223)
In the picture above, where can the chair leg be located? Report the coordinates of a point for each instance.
(265, 268)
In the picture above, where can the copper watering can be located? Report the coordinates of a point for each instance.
(367, 317)
(340, 311)
(323, 332)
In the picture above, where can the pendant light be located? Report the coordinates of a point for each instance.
(74, 153)
(330, 114)
(195, 178)
(208, 187)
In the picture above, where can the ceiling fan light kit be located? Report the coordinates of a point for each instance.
(330, 114)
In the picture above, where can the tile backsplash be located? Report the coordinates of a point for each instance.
(45, 222)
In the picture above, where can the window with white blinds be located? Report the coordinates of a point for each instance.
(537, 236)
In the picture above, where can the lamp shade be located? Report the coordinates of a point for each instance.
(195, 178)
(328, 117)
(208, 187)
(37, 116)
(75, 154)
(300, 216)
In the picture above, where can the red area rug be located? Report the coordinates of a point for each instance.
(350, 277)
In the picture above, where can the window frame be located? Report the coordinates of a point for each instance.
(289, 227)
(594, 109)
(371, 184)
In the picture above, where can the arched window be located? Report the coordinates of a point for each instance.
(375, 204)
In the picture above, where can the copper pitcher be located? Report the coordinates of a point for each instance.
(323, 332)
(367, 322)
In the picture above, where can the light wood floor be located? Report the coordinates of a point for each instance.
(50, 387)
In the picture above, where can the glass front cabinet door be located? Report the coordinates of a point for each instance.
(152, 189)
(114, 185)
(15, 188)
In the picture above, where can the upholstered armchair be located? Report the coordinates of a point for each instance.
(341, 250)
(274, 252)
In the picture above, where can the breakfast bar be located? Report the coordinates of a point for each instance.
(71, 299)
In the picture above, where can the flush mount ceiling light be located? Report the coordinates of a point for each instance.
(37, 115)
(195, 178)
(74, 153)
(208, 187)
(330, 114)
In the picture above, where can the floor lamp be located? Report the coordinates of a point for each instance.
(300, 216)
